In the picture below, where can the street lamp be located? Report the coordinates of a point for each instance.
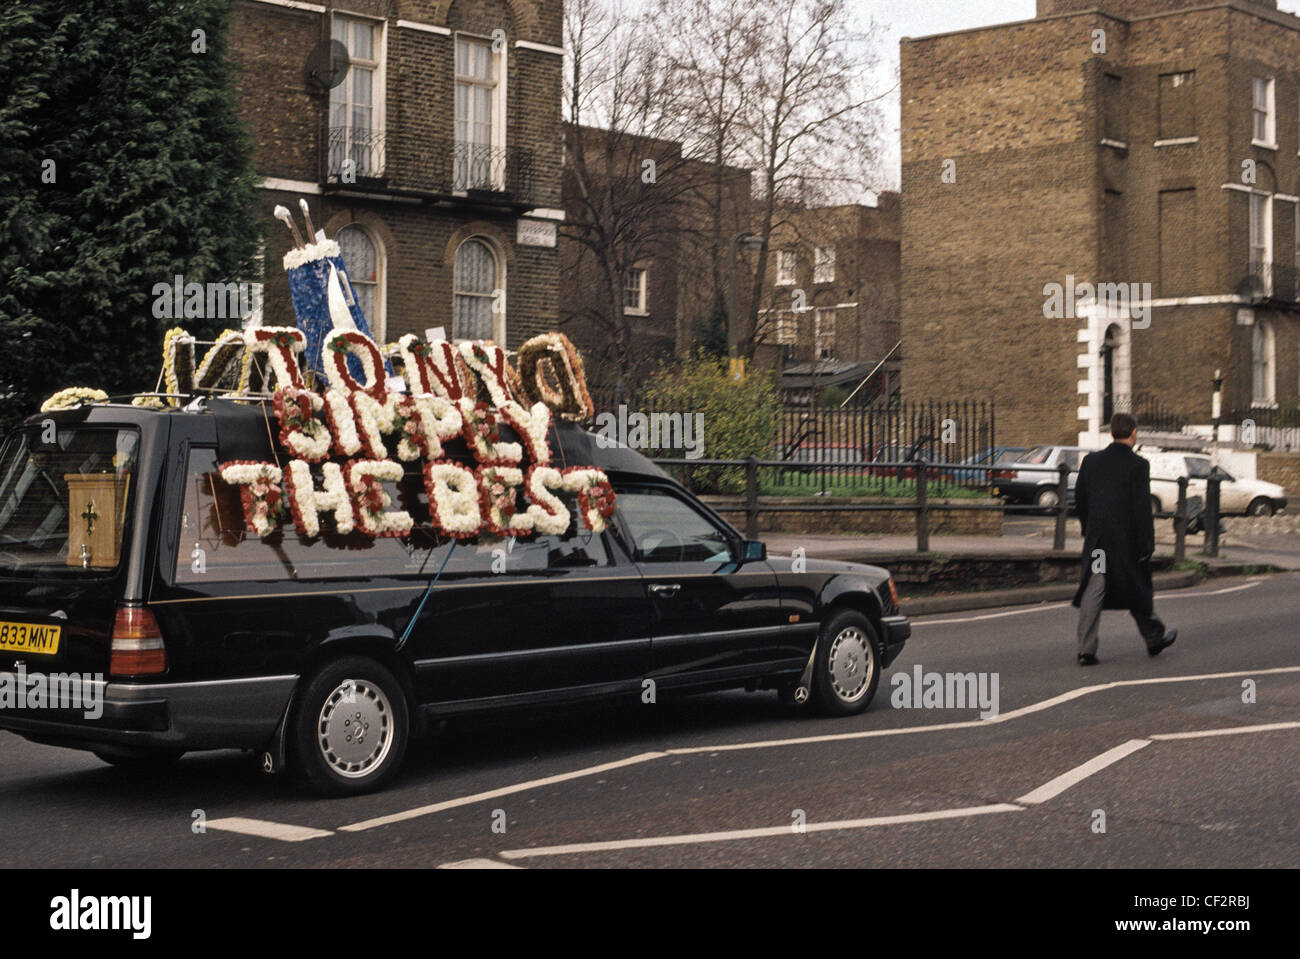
(751, 241)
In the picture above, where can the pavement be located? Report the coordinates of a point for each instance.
(1187, 760)
(1033, 536)
(1239, 552)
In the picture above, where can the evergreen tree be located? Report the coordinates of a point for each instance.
(123, 163)
(711, 334)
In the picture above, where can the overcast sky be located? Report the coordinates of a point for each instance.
(919, 18)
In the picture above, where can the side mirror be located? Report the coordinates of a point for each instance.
(753, 550)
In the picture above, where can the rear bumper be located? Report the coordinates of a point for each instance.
(897, 630)
(217, 714)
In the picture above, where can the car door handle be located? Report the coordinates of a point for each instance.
(665, 589)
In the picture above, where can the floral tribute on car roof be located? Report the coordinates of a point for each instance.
(350, 434)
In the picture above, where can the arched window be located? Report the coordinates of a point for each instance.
(364, 258)
(475, 281)
(1263, 354)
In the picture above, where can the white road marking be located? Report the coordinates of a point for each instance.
(759, 833)
(1048, 791)
(494, 793)
(1229, 731)
(478, 864)
(1214, 592)
(796, 741)
(1054, 788)
(972, 723)
(975, 619)
(1180, 594)
(266, 829)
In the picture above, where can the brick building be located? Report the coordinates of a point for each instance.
(1105, 141)
(832, 297)
(641, 262)
(435, 162)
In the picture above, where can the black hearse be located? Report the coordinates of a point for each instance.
(124, 558)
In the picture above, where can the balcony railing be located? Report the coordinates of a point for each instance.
(353, 153)
(1271, 282)
(447, 167)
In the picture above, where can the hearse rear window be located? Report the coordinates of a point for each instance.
(215, 545)
(64, 494)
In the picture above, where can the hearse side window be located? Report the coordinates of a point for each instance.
(665, 529)
(212, 521)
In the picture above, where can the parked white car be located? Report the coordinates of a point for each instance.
(1236, 496)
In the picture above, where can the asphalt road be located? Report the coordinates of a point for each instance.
(719, 780)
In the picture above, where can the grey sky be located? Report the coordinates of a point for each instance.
(896, 19)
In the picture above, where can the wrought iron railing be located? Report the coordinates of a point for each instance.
(438, 166)
(352, 154)
(1151, 412)
(1271, 282)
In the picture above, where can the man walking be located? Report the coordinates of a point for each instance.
(1113, 499)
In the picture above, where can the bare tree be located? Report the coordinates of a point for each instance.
(782, 87)
(624, 182)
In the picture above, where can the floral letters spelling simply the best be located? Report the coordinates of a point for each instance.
(510, 492)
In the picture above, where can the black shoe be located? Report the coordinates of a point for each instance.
(1087, 659)
(1166, 640)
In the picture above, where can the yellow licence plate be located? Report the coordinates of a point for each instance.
(29, 638)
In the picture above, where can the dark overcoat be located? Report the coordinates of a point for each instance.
(1113, 497)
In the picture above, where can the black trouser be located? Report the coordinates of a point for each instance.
(1090, 607)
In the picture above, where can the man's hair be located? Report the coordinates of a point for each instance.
(1122, 426)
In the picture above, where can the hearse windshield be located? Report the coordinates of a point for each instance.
(63, 497)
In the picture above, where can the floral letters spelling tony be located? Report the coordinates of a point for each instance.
(462, 391)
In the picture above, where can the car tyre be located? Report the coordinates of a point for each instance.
(1155, 506)
(846, 668)
(1260, 506)
(344, 696)
(1047, 499)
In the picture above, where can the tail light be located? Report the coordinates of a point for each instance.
(893, 592)
(137, 644)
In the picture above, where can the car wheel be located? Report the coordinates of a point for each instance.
(1156, 509)
(140, 759)
(1047, 499)
(1260, 506)
(846, 669)
(350, 728)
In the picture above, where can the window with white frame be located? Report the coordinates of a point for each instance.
(364, 259)
(824, 265)
(480, 116)
(787, 328)
(1264, 128)
(824, 333)
(474, 292)
(1263, 378)
(357, 104)
(634, 291)
(1261, 240)
(785, 268)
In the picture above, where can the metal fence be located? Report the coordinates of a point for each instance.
(826, 448)
(1268, 428)
(911, 495)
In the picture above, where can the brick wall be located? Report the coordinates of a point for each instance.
(1134, 8)
(1282, 469)
(1021, 111)
(417, 230)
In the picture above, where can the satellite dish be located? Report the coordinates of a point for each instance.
(327, 64)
